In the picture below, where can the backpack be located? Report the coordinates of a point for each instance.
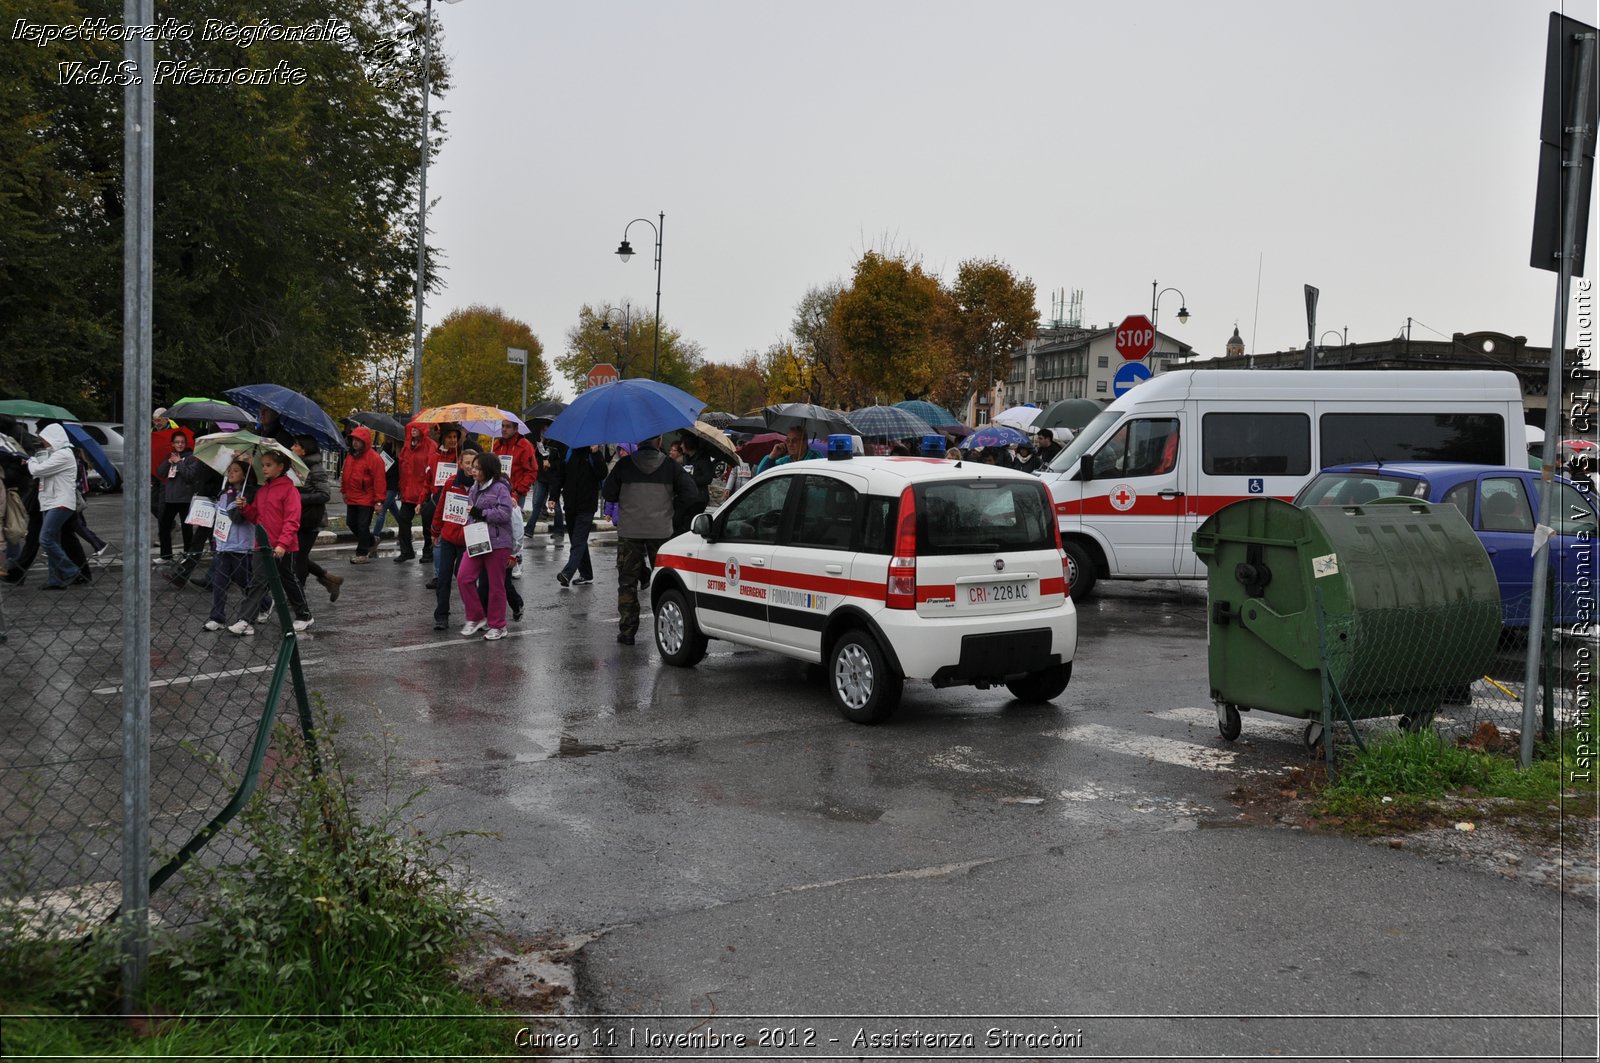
(16, 518)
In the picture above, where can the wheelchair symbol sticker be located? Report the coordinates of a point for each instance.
(1258, 486)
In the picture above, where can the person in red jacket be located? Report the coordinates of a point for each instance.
(450, 534)
(276, 508)
(416, 458)
(519, 452)
(445, 454)
(364, 485)
(524, 463)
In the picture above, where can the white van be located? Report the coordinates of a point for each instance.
(1137, 481)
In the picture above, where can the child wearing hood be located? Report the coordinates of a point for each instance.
(363, 484)
(56, 470)
(276, 507)
(232, 538)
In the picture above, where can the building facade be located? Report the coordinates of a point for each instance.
(1070, 362)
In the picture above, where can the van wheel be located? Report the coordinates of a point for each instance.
(678, 637)
(1044, 685)
(1080, 571)
(864, 686)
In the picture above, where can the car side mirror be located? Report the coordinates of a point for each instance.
(1085, 467)
(701, 526)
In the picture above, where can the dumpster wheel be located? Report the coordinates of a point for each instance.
(1313, 738)
(1411, 723)
(1228, 721)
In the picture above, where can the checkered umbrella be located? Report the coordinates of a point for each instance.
(931, 412)
(888, 422)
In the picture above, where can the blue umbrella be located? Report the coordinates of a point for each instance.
(931, 412)
(97, 457)
(888, 422)
(302, 416)
(624, 411)
(993, 435)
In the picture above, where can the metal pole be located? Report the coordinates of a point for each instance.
(655, 355)
(422, 211)
(1573, 163)
(138, 161)
(524, 384)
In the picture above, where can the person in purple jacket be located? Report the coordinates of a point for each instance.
(490, 502)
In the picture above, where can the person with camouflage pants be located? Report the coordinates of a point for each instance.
(649, 489)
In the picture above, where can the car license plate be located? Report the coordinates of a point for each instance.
(982, 594)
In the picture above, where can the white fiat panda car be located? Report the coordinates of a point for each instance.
(882, 570)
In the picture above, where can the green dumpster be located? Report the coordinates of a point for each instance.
(1410, 610)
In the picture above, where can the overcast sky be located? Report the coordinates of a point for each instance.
(1382, 150)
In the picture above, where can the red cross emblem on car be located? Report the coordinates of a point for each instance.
(1123, 497)
(733, 571)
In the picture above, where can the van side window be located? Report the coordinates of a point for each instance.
(1142, 447)
(1472, 438)
(1255, 444)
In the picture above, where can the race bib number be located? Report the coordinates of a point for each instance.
(478, 540)
(443, 472)
(388, 462)
(202, 513)
(220, 530)
(505, 465)
(456, 508)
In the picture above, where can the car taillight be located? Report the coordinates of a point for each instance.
(902, 587)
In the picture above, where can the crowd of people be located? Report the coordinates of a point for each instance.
(478, 502)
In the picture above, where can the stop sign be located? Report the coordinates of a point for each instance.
(1136, 337)
(604, 373)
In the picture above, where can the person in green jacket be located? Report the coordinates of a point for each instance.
(791, 449)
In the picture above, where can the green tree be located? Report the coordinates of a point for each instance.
(826, 376)
(464, 360)
(733, 388)
(628, 344)
(893, 328)
(995, 313)
(284, 212)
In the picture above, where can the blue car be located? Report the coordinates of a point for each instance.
(1502, 505)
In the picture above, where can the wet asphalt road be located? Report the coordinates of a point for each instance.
(727, 845)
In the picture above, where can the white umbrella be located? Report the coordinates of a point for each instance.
(1019, 417)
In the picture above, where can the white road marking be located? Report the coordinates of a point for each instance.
(206, 677)
(1150, 747)
(455, 640)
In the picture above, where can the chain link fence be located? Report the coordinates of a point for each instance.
(1453, 668)
(213, 696)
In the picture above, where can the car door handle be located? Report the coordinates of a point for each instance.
(1169, 493)
(836, 570)
(759, 562)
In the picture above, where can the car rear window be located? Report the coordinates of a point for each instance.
(1357, 489)
(982, 516)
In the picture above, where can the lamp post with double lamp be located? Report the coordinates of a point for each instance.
(625, 252)
(605, 326)
(422, 205)
(1155, 304)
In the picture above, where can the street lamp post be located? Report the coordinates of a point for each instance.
(1155, 304)
(1344, 339)
(422, 205)
(605, 326)
(625, 252)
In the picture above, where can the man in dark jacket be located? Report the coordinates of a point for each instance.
(548, 487)
(698, 462)
(584, 471)
(648, 488)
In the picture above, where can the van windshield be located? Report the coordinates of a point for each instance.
(1087, 437)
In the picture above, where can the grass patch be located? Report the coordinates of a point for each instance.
(340, 928)
(1396, 779)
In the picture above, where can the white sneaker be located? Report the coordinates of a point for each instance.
(516, 570)
(578, 581)
(301, 625)
(494, 633)
(241, 628)
(472, 627)
(214, 625)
